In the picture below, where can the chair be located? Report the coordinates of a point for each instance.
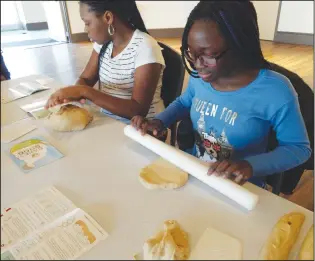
(287, 181)
(172, 82)
(281, 182)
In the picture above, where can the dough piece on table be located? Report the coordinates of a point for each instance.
(307, 249)
(283, 237)
(137, 256)
(169, 244)
(216, 245)
(69, 118)
(162, 174)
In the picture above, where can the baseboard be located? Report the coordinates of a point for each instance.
(79, 37)
(167, 32)
(36, 26)
(294, 38)
(156, 33)
(282, 37)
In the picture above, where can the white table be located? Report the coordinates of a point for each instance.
(11, 112)
(99, 173)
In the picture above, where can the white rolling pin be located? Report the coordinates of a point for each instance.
(195, 167)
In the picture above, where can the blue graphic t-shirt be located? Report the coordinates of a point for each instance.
(235, 125)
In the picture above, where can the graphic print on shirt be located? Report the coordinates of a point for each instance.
(212, 145)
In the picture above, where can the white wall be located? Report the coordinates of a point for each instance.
(156, 14)
(165, 14)
(10, 16)
(267, 12)
(55, 20)
(161, 14)
(76, 23)
(296, 17)
(33, 12)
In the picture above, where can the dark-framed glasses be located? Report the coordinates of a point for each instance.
(207, 60)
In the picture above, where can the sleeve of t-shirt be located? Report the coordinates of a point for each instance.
(149, 51)
(179, 108)
(97, 47)
(294, 146)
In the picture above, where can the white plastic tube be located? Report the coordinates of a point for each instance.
(195, 167)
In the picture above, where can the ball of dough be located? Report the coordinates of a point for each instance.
(161, 174)
(69, 118)
(169, 244)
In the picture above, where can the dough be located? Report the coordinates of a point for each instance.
(283, 237)
(162, 174)
(169, 244)
(307, 249)
(69, 118)
(216, 245)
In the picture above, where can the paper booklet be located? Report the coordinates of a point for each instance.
(23, 89)
(37, 109)
(33, 153)
(47, 226)
(16, 130)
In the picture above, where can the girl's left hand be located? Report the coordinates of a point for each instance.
(237, 171)
(67, 94)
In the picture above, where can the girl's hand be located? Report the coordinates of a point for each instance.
(67, 94)
(155, 126)
(237, 171)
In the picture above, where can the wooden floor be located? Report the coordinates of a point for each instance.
(65, 62)
(296, 58)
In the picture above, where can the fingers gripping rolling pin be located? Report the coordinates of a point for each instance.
(193, 166)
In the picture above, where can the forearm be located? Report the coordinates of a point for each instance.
(174, 112)
(180, 108)
(85, 82)
(121, 107)
(281, 159)
(294, 146)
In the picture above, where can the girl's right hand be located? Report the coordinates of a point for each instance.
(155, 127)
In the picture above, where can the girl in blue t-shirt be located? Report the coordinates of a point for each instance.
(232, 97)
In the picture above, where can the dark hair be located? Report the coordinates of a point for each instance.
(126, 10)
(237, 22)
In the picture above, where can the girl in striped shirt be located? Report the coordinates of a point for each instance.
(125, 59)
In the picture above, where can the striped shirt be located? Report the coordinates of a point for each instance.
(117, 74)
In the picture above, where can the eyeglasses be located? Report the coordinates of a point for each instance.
(207, 60)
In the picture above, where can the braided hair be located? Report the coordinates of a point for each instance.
(237, 22)
(126, 10)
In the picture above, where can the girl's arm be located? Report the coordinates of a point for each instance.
(294, 146)
(146, 79)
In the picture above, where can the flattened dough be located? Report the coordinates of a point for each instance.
(69, 118)
(161, 174)
(283, 237)
(215, 245)
(307, 249)
(169, 244)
